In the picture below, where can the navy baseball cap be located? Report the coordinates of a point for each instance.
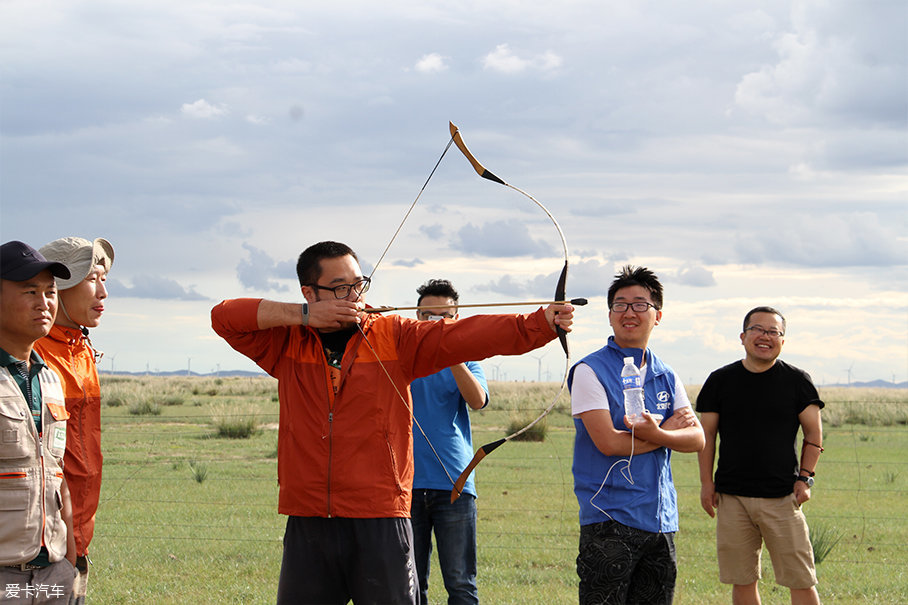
(19, 261)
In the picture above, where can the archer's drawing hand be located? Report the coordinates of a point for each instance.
(334, 313)
(560, 315)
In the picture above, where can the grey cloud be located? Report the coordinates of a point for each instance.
(433, 232)
(500, 239)
(834, 64)
(619, 207)
(507, 286)
(260, 272)
(407, 263)
(850, 240)
(586, 279)
(153, 287)
(696, 275)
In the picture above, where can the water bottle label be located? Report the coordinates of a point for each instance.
(630, 382)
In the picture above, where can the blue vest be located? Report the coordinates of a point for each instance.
(650, 503)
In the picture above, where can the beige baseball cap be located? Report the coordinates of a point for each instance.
(79, 255)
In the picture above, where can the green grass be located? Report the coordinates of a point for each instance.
(163, 536)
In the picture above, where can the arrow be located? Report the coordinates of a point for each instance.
(577, 302)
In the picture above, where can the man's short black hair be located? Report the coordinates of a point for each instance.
(309, 268)
(764, 310)
(637, 276)
(437, 287)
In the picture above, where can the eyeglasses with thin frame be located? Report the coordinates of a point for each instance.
(638, 306)
(772, 332)
(343, 290)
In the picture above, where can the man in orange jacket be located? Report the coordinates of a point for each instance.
(345, 440)
(69, 352)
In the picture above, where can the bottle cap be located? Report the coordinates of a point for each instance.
(628, 360)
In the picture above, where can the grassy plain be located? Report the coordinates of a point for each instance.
(164, 536)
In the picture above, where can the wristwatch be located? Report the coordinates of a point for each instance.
(807, 480)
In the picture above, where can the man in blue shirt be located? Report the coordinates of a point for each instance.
(622, 471)
(442, 445)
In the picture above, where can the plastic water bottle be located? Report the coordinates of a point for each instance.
(632, 383)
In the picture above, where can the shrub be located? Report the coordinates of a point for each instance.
(235, 422)
(144, 407)
(537, 432)
(113, 401)
(199, 470)
(823, 539)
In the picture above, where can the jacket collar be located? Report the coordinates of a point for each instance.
(66, 335)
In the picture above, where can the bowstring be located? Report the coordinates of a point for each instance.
(567, 353)
(366, 338)
(410, 209)
(404, 400)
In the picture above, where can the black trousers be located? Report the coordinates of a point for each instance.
(331, 561)
(621, 565)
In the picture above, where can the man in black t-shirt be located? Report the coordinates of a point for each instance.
(756, 407)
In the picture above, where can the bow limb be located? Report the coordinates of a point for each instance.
(560, 289)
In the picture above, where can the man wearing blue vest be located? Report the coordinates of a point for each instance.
(622, 470)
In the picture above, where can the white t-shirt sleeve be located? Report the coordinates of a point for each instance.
(587, 393)
(681, 399)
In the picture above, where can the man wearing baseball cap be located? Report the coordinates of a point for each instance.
(69, 351)
(37, 548)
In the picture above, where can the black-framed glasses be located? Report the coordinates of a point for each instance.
(637, 306)
(772, 332)
(343, 290)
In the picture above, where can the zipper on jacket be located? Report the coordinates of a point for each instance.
(330, 448)
(43, 476)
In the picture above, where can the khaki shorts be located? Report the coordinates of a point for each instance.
(745, 523)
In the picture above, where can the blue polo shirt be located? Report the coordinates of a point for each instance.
(445, 417)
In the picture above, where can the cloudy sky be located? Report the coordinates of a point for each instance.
(749, 153)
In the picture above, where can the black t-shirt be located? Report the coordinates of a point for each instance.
(334, 344)
(758, 426)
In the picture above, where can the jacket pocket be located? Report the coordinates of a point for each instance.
(55, 528)
(395, 469)
(19, 530)
(14, 430)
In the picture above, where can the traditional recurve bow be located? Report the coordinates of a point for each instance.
(488, 448)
